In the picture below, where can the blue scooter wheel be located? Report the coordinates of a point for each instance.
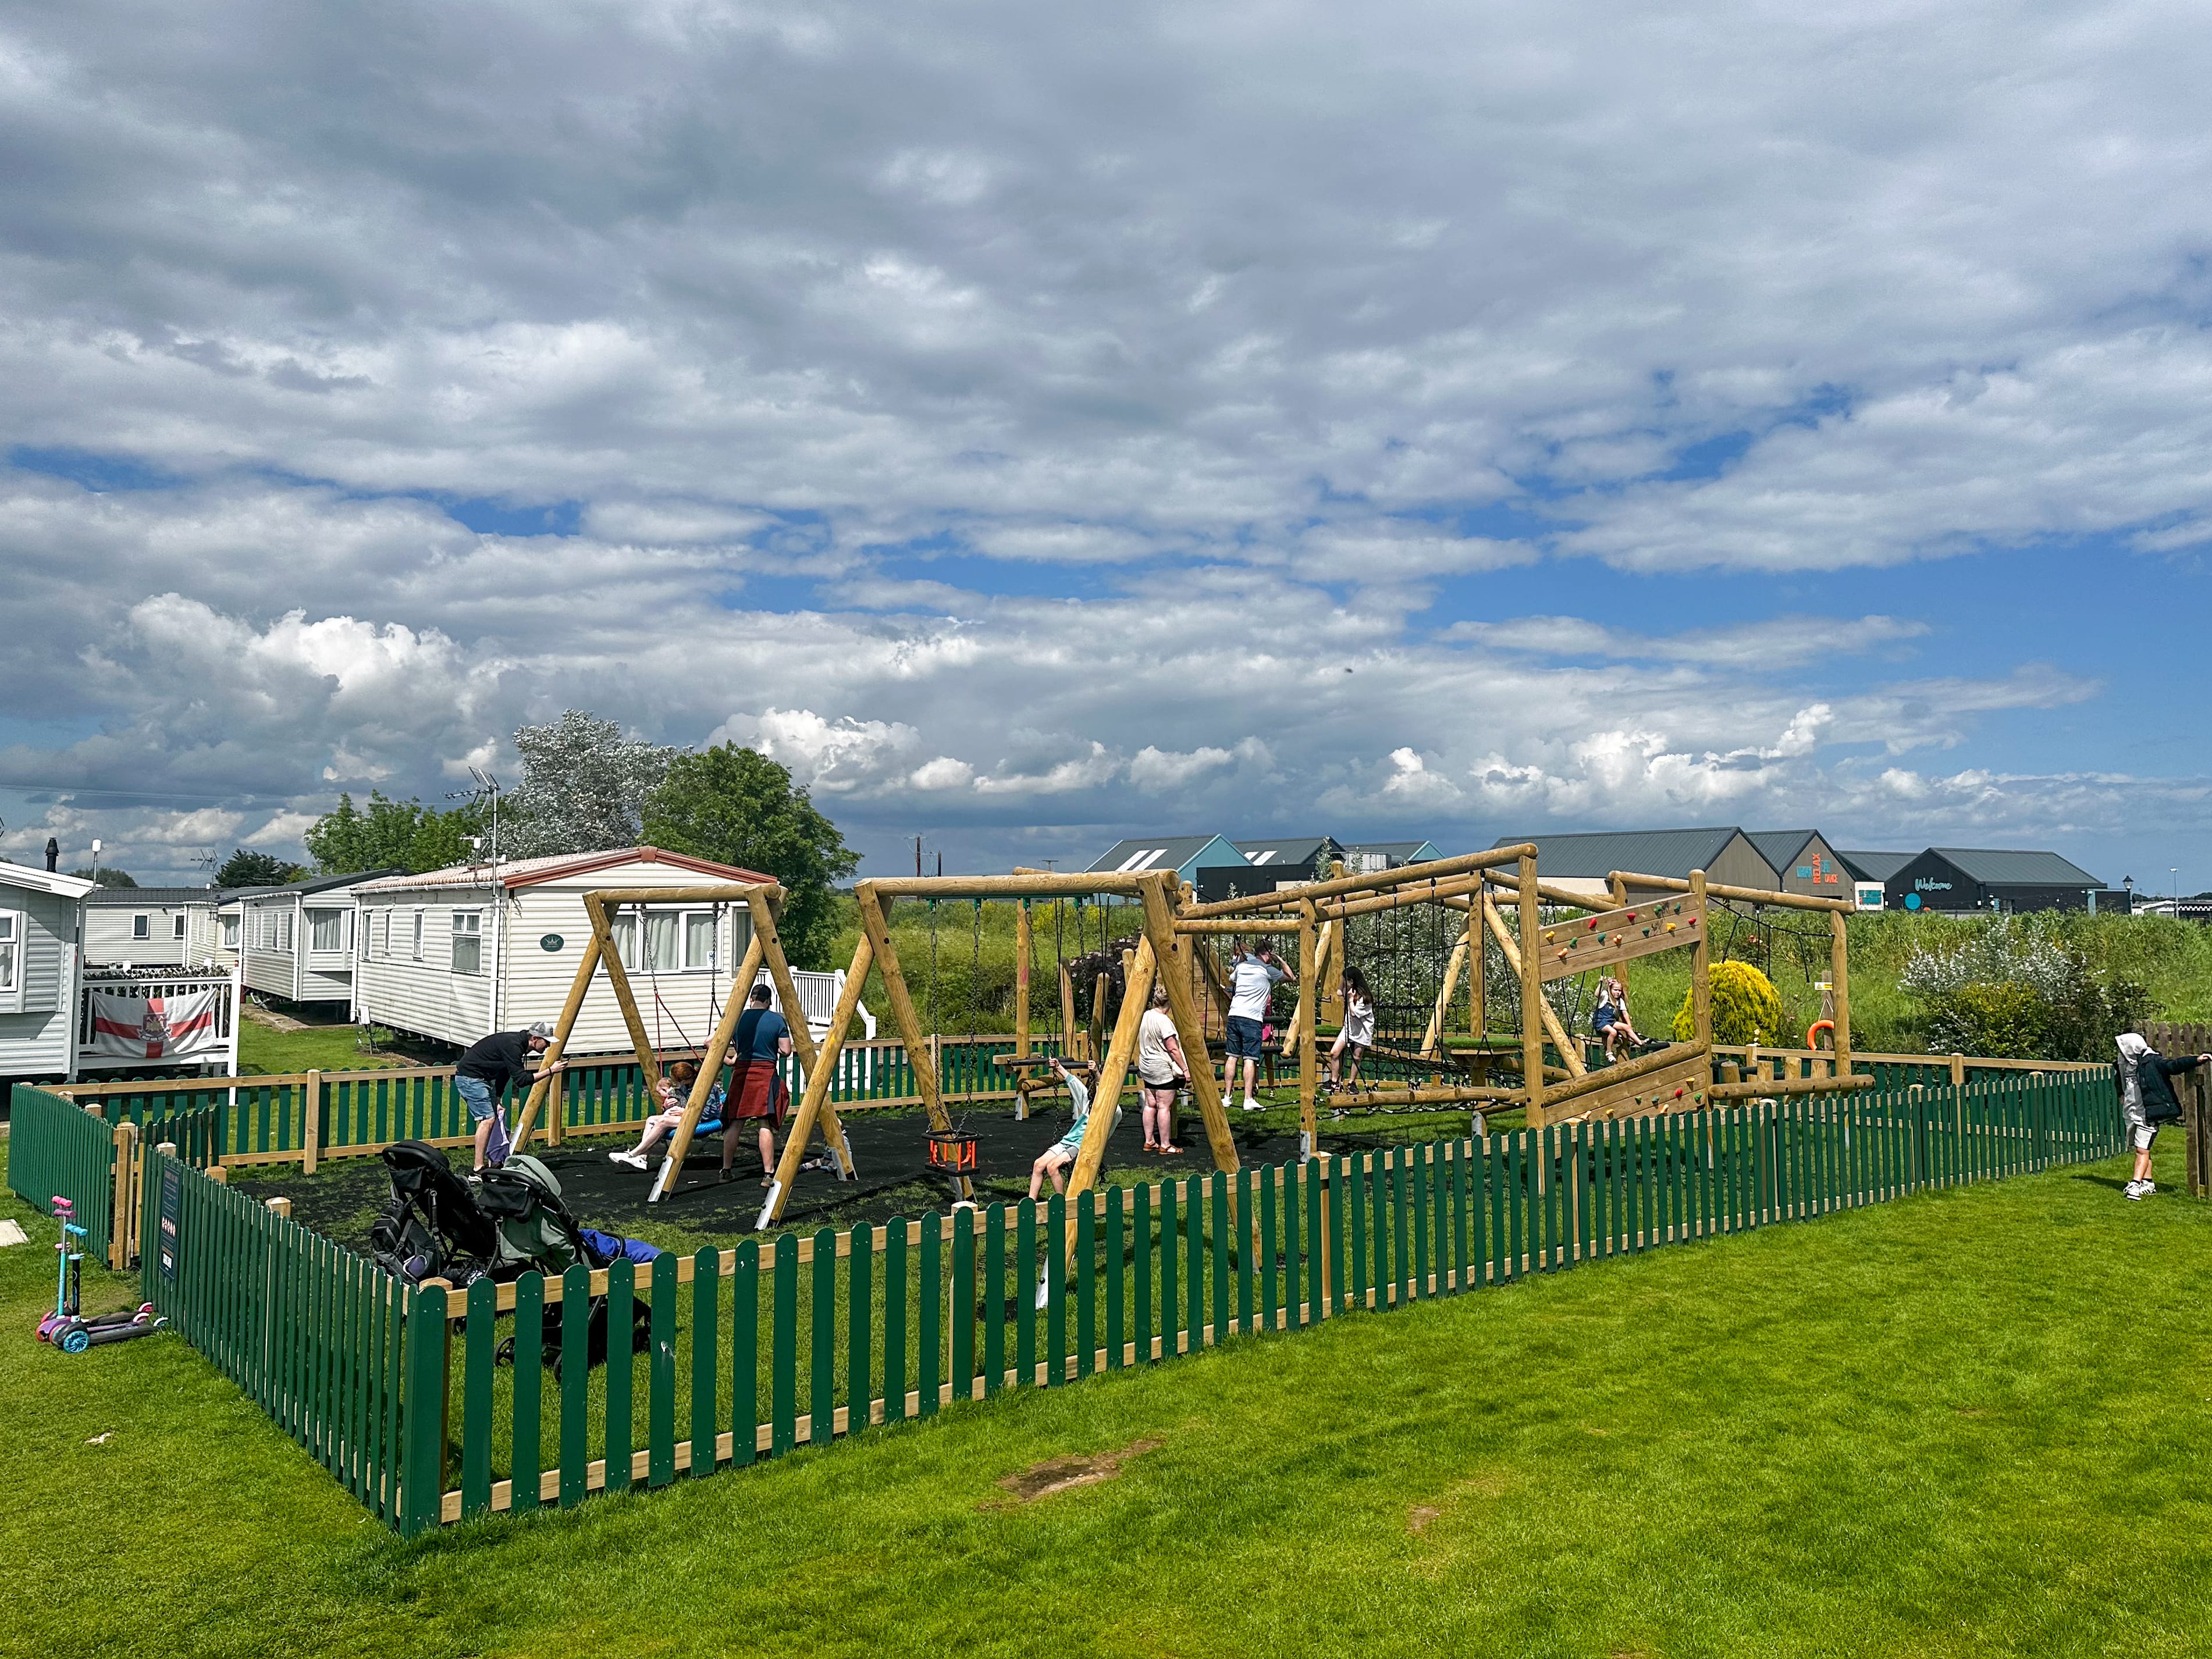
(75, 1339)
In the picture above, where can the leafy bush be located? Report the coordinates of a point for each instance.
(2019, 987)
(1746, 1008)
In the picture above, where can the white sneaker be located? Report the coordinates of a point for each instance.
(1252, 1105)
(635, 1161)
(2136, 1190)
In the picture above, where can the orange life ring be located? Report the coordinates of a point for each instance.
(1827, 1025)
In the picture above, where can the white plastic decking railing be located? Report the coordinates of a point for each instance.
(154, 993)
(817, 998)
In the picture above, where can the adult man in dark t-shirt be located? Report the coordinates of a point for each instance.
(490, 1064)
(762, 1037)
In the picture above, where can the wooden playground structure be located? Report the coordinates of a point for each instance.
(1545, 934)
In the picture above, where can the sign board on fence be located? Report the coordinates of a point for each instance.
(172, 1204)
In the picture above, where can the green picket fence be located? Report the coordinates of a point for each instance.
(315, 1335)
(434, 1405)
(267, 1119)
(57, 1149)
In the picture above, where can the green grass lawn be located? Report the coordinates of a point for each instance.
(265, 1052)
(1966, 1423)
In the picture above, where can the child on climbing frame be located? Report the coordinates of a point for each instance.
(1358, 1034)
(1611, 1021)
(1054, 1161)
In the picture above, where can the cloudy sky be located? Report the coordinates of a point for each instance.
(1036, 424)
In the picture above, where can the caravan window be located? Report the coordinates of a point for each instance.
(660, 941)
(468, 941)
(699, 939)
(11, 940)
(326, 930)
(230, 932)
(418, 936)
(177, 926)
(284, 930)
(139, 928)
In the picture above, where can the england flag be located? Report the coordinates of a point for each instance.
(155, 1027)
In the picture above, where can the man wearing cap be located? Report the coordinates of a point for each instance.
(487, 1065)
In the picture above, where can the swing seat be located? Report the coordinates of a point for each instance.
(952, 1151)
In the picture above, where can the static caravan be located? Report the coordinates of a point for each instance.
(41, 923)
(453, 954)
(153, 927)
(298, 940)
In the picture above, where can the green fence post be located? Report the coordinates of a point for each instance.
(962, 1309)
(622, 1373)
(422, 1477)
(895, 1323)
(706, 1355)
(822, 1356)
(660, 1376)
(783, 1348)
(1146, 1252)
(1117, 1288)
(930, 1307)
(859, 1329)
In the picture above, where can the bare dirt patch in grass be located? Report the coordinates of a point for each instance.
(1057, 1474)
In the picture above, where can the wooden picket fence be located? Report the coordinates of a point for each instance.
(412, 1398)
(307, 1116)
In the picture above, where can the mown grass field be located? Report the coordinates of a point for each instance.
(1971, 1422)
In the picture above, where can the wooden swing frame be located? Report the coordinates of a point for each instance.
(764, 901)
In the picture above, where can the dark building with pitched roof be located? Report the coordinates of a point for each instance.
(1955, 878)
(1804, 862)
(1582, 862)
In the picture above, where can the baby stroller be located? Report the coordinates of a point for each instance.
(514, 1221)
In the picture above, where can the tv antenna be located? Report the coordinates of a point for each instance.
(487, 789)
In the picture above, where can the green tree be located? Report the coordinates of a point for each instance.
(106, 877)
(392, 835)
(737, 807)
(584, 787)
(245, 869)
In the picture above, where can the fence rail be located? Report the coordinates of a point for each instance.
(307, 1116)
(746, 1353)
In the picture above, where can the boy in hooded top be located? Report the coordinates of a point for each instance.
(2147, 1101)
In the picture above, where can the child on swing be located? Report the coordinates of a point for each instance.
(673, 1092)
(1055, 1159)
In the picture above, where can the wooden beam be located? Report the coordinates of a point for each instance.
(1453, 966)
(1676, 1054)
(587, 970)
(1314, 892)
(1736, 895)
(1477, 991)
(1839, 976)
(1533, 1008)
(877, 927)
(816, 1096)
(1235, 925)
(648, 1058)
(972, 887)
(1566, 897)
(1571, 1055)
(1183, 1008)
(1308, 1004)
(802, 1037)
(710, 1068)
(1791, 1086)
(1613, 937)
(1701, 968)
(1106, 1088)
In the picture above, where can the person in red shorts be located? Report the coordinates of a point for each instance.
(762, 1038)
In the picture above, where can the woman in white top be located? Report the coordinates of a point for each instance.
(1358, 1034)
(1160, 1070)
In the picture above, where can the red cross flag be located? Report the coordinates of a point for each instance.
(155, 1027)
